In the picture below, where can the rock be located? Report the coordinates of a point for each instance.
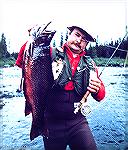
(1, 104)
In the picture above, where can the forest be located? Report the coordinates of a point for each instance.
(102, 51)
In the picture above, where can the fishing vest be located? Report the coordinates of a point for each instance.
(63, 74)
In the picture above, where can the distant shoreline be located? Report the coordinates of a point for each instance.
(100, 62)
(114, 62)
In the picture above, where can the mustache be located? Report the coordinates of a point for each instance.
(77, 44)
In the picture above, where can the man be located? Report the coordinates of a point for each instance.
(63, 126)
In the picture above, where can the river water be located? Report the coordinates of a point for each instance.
(108, 119)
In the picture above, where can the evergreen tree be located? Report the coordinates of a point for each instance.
(3, 47)
(94, 52)
(124, 46)
(101, 51)
(66, 37)
(61, 42)
(89, 50)
(15, 55)
(54, 43)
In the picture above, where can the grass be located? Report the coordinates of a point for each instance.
(7, 62)
(115, 62)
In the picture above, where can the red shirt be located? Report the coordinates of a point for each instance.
(73, 60)
(19, 60)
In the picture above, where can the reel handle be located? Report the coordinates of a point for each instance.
(83, 100)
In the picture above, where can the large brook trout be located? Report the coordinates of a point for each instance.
(38, 77)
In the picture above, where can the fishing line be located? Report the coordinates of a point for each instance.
(123, 50)
(117, 83)
(109, 116)
(122, 70)
(121, 74)
(84, 99)
(113, 54)
(101, 104)
(104, 126)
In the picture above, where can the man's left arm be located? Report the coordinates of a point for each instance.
(96, 86)
(98, 96)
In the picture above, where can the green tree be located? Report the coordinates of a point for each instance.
(61, 42)
(3, 47)
(124, 46)
(66, 35)
(54, 43)
(15, 55)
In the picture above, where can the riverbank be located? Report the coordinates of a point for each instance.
(115, 62)
(7, 62)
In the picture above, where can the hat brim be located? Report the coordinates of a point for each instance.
(87, 35)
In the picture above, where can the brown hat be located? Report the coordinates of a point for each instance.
(87, 35)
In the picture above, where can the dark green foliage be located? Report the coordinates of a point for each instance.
(66, 36)
(61, 42)
(3, 47)
(54, 43)
(15, 55)
(98, 52)
(106, 51)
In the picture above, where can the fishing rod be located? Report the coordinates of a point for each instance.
(113, 54)
(105, 108)
(123, 50)
(85, 109)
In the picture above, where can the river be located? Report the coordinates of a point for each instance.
(108, 119)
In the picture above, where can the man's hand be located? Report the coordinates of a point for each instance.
(94, 85)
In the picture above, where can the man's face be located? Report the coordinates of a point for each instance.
(77, 41)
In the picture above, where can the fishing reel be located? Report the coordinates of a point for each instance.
(84, 108)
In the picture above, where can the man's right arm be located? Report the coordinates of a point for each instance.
(19, 60)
